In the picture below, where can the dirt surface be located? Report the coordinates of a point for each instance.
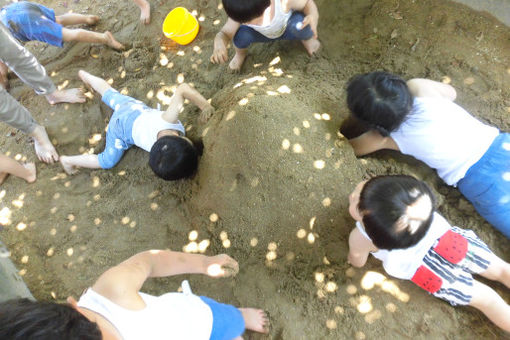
(273, 182)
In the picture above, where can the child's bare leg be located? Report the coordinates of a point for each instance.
(44, 150)
(498, 270)
(9, 166)
(72, 163)
(255, 319)
(491, 304)
(76, 19)
(82, 35)
(98, 84)
(66, 96)
(311, 45)
(4, 82)
(237, 61)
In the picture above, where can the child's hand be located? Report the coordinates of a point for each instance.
(221, 266)
(312, 21)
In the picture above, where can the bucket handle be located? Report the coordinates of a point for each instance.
(182, 35)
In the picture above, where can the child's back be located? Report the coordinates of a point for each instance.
(444, 136)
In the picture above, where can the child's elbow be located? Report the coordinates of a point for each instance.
(356, 261)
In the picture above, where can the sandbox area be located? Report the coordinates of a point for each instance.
(273, 181)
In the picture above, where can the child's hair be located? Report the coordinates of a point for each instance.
(245, 10)
(172, 158)
(380, 100)
(396, 210)
(24, 319)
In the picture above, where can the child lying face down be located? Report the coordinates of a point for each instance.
(114, 307)
(172, 156)
(397, 223)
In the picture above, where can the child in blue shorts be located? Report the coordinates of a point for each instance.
(251, 21)
(172, 156)
(114, 307)
(397, 223)
(29, 21)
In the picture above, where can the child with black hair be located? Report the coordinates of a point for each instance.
(251, 21)
(114, 307)
(420, 119)
(172, 156)
(396, 222)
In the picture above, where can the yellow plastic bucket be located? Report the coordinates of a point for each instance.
(180, 26)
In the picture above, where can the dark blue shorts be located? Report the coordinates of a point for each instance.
(228, 322)
(246, 35)
(29, 21)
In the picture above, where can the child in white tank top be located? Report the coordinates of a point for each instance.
(397, 223)
(114, 307)
(263, 21)
(420, 119)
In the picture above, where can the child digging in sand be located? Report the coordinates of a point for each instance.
(9, 166)
(396, 222)
(251, 21)
(114, 307)
(172, 156)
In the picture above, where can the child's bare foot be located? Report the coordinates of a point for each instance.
(44, 150)
(32, 172)
(255, 319)
(206, 113)
(70, 169)
(237, 61)
(110, 41)
(92, 19)
(66, 96)
(311, 45)
(3, 176)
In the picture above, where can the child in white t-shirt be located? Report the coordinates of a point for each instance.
(172, 156)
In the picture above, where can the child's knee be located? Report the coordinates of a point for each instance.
(295, 29)
(243, 37)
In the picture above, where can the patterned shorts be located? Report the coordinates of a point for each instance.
(446, 270)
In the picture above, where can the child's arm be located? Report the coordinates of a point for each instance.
(372, 141)
(223, 37)
(184, 91)
(145, 11)
(122, 283)
(359, 248)
(309, 8)
(429, 88)
(70, 164)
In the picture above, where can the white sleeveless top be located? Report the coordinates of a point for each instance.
(147, 126)
(176, 316)
(403, 263)
(444, 136)
(277, 26)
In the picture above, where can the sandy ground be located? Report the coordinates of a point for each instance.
(272, 184)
